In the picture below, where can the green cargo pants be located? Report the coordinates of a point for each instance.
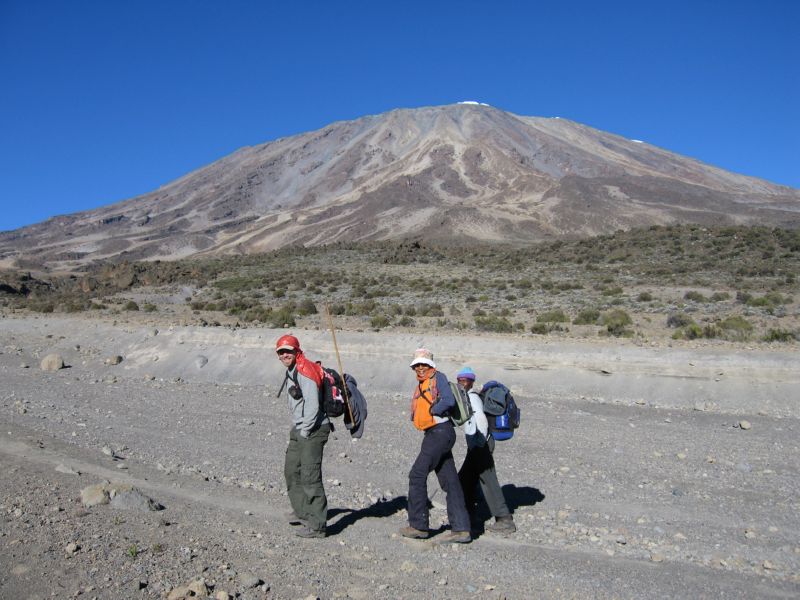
(303, 472)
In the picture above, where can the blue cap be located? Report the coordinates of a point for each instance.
(466, 373)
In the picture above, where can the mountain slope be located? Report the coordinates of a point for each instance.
(440, 172)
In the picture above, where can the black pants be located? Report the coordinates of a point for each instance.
(478, 468)
(436, 455)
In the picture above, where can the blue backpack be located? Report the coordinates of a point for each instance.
(501, 410)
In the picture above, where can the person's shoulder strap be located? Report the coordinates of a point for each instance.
(287, 377)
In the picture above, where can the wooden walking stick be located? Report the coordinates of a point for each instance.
(339, 362)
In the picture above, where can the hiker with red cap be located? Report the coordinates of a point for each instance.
(307, 438)
(478, 466)
(430, 406)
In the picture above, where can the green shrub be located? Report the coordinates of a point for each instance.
(719, 296)
(695, 296)
(736, 328)
(587, 316)
(430, 309)
(615, 322)
(237, 284)
(379, 321)
(540, 328)
(257, 313)
(645, 297)
(679, 320)
(284, 317)
(131, 305)
(307, 307)
(553, 316)
(406, 321)
(149, 307)
(768, 300)
(780, 335)
(494, 323)
(611, 291)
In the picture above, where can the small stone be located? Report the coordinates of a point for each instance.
(768, 565)
(749, 534)
(248, 580)
(656, 557)
(681, 455)
(71, 548)
(113, 360)
(744, 425)
(52, 362)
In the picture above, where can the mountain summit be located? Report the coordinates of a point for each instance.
(442, 173)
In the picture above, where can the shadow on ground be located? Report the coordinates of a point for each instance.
(378, 509)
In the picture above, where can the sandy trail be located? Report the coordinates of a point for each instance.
(631, 476)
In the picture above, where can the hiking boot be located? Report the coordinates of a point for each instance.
(503, 525)
(456, 537)
(307, 532)
(410, 532)
(293, 519)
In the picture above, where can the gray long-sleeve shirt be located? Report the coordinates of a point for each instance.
(306, 412)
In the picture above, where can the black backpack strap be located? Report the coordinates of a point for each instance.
(285, 379)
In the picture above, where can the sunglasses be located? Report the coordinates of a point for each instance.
(420, 366)
(285, 352)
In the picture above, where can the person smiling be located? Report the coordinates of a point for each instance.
(431, 402)
(307, 438)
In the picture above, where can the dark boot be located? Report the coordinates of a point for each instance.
(503, 525)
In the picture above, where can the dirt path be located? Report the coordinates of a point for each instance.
(611, 499)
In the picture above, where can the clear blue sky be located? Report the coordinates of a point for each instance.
(105, 100)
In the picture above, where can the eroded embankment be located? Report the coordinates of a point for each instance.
(719, 378)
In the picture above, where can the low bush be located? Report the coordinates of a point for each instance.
(553, 316)
(679, 320)
(780, 335)
(695, 296)
(736, 328)
(379, 321)
(493, 323)
(589, 316)
(615, 322)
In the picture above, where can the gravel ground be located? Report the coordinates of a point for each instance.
(615, 495)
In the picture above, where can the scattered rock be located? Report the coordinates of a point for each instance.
(71, 548)
(66, 470)
(52, 362)
(133, 499)
(113, 360)
(121, 496)
(744, 425)
(195, 588)
(94, 495)
(200, 362)
(248, 580)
